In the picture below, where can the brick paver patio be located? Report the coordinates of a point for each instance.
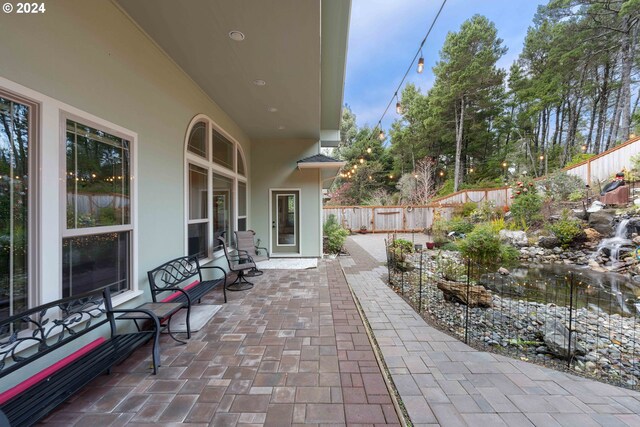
(293, 350)
(444, 382)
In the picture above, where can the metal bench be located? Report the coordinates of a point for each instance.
(27, 337)
(169, 276)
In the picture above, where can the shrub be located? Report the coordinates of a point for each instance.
(483, 246)
(450, 269)
(560, 185)
(398, 250)
(335, 235)
(466, 209)
(450, 246)
(525, 209)
(401, 244)
(459, 225)
(497, 225)
(577, 196)
(567, 230)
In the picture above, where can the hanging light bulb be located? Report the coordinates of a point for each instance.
(441, 173)
(584, 148)
(541, 157)
(398, 108)
(361, 160)
(390, 176)
(381, 135)
(420, 63)
(370, 177)
(470, 170)
(355, 167)
(369, 150)
(415, 175)
(504, 164)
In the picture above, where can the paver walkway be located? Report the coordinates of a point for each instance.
(292, 350)
(443, 381)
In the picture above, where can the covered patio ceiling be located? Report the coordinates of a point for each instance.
(297, 48)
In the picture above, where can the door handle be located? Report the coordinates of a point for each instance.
(273, 224)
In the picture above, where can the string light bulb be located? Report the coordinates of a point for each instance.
(470, 170)
(369, 150)
(370, 177)
(398, 108)
(504, 164)
(420, 64)
(584, 148)
(361, 160)
(441, 173)
(390, 176)
(541, 157)
(381, 135)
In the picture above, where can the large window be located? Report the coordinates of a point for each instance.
(96, 244)
(16, 147)
(216, 187)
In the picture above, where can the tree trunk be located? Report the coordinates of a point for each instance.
(602, 114)
(557, 127)
(457, 180)
(628, 47)
(615, 121)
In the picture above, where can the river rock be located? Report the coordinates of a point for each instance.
(556, 338)
(548, 242)
(514, 237)
(478, 295)
(592, 235)
(603, 222)
(503, 271)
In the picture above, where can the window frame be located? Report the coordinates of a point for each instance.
(212, 167)
(34, 162)
(132, 227)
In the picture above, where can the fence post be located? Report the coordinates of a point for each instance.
(386, 249)
(571, 287)
(420, 287)
(402, 270)
(466, 315)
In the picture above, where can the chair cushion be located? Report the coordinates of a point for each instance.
(176, 294)
(26, 384)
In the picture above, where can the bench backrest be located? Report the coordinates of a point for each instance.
(173, 273)
(35, 332)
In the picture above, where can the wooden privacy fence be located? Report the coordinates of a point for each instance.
(387, 219)
(598, 167)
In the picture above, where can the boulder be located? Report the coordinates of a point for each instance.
(514, 238)
(556, 338)
(603, 222)
(581, 214)
(548, 242)
(592, 235)
(478, 296)
(503, 271)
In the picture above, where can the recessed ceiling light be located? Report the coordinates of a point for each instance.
(281, 127)
(259, 82)
(272, 109)
(236, 35)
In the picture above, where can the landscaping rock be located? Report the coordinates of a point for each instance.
(603, 222)
(503, 271)
(556, 338)
(478, 296)
(592, 235)
(548, 242)
(514, 238)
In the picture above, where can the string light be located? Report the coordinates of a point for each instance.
(541, 157)
(584, 148)
(504, 164)
(381, 135)
(441, 173)
(413, 61)
(361, 160)
(398, 105)
(369, 150)
(370, 177)
(470, 170)
(390, 176)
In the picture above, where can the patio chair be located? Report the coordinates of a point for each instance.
(245, 244)
(239, 264)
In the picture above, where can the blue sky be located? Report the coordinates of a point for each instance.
(385, 35)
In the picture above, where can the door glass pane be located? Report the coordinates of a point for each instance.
(198, 140)
(222, 209)
(222, 150)
(98, 181)
(286, 219)
(14, 206)
(198, 239)
(197, 192)
(242, 199)
(95, 262)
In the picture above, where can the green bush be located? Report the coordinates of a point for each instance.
(567, 230)
(577, 195)
(481, 245)
(560, 185)
(450, 269)
(459, 225)
(402, 245)
(335, 235)
(466, 209)
(450, 246)
(525, 209)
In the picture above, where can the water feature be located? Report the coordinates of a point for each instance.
(613, 245)
(610, 292)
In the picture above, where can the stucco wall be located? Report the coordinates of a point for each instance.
(90, 55)
(276, 168)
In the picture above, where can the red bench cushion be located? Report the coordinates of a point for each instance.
(45, 373)
(177, 294)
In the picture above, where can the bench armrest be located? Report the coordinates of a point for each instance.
(224, 273)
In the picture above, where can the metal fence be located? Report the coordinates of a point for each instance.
(564, 322)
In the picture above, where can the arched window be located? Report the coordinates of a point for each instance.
(216, 187)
